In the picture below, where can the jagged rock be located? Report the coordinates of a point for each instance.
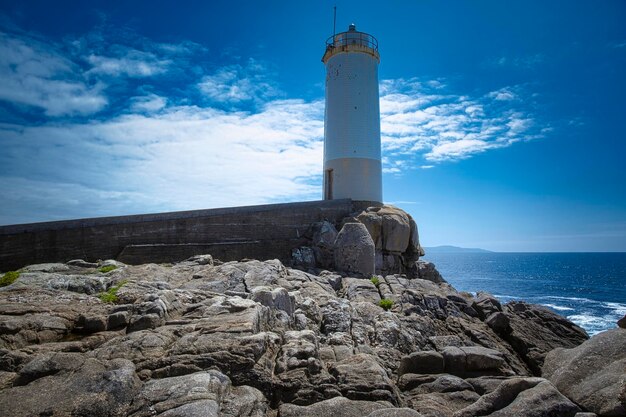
(300, 350)
(336, 317)
(395, 237)
(470, 360)
(323, 239)
(72, 385)
(354, 250)
(355, 289)
(84, 284)
(82, 263)
(536, 330)
(486, 305)
(244, 401)
(360, 377)
(499, 323)
(425, 384)
(277, 299)
(426, 271)
(389, 227)
(271, 338)
(117, 320)
(440, 404)
(198, 260)
(92, 324)
(47, 268)
(196, 394)
(394, 412)
(303, 258)
(415, 248)
(428, 362)
(592, 374)
(374, 224)
(111, 262)
(335, 407)
(521, 397)
(622, 322)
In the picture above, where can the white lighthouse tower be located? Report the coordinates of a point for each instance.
(352, 165)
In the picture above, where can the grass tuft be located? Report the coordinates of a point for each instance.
(9, 278)
(385, 303)
(375, 281)
(110, 296)
(107, 268)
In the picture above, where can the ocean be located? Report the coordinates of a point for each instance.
(587, 288)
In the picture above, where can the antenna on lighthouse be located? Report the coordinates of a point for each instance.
(334, 22)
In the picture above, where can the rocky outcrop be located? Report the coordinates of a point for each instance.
(256, 338)
(396, 248)
(592, 374)
(395, 237)
(354, 250)
(535, 330)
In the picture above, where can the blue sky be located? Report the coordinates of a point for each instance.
(502, 122)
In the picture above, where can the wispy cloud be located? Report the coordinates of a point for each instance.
(184, 157)
(149, 103)
(237, 84)
(418, 125)
(129, 62)
(38, 75)
(504, 94)
(522, 62)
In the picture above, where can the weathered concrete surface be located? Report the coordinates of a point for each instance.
(259, 232)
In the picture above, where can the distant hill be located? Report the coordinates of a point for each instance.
(454, 249)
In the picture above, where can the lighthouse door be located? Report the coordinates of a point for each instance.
(328, 182)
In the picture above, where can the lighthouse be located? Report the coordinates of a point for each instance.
(352, 163)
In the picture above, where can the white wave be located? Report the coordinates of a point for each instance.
(617, 308)
(556, 297)
(558, 308)
(592, 324)
(510, 297)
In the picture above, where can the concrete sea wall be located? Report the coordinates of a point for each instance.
(259, 232)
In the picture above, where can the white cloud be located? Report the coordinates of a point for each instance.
(457, 149)
(417, 124)
(37, 75)
(130, 62)
(184, 157)
(234, 84)
(504, 94)
(149, 103)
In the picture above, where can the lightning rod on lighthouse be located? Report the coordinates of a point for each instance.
(352, 160)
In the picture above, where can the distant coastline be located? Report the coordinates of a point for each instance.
(454, 249)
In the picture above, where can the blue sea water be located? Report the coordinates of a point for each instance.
(587, 288)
